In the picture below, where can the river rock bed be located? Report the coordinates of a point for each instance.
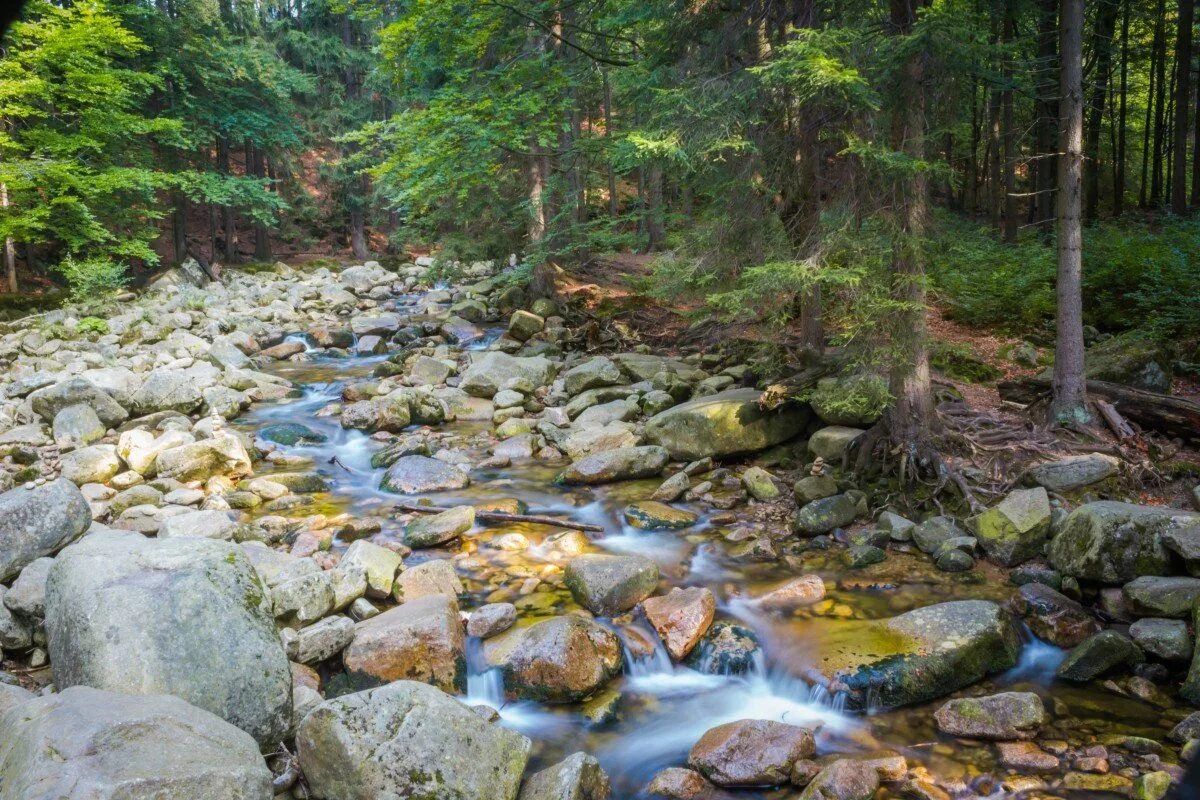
(202, 541)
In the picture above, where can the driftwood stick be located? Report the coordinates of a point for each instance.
(1114, 420)
(500, 516)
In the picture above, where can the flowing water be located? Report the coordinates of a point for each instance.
(665, 707)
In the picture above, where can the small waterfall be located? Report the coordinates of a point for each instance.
(485, 684)
(303, 338)
(1038, 662)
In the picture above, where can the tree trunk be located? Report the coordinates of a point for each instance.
(1106, 23)
(10, 248)
(608, 132)
(179, 226)
(1119, 160)
(1183, 103)
(1046, 108)
(1008, 130)
(1069, 404)
(1159, 97)
(255, 168)
(654, 208)
(229, 222)
(911, 417)
(536, 170)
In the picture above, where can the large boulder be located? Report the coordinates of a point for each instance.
(1053, 616)
(86, 743)
(592, 374)
(822, 516)
(624, 463)
(608, 585)
(168, 390)
(559, 660)
(1106, 652)
(919, 655)
(222, 455)
(493, 371)
(751, 752)
(1074, 472)
(421, 474)
(408, 740)
(36, 522)
(50, 400)
(97, 463)
(420, 640)
(184, 616)
(681, 618)
(724, 424)
(577, 777)
(1133, 360)
(1152, 596)
(1111, 542)
(1015, 530)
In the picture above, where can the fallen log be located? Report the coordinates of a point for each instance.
(1173, 416)
(500, 516)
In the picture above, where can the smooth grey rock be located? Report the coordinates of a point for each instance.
(421, 474)
(1110, 542)
(998, 717)
(408, 740)
(27, 597)
(823, 515)
(1074, 472)
(202, 524)
(1015, 530)
(1166, 638)
(183, 616)
(85, 743)
(37, 522)
(577, 777)
(830, 443)
(724, 424)
(1100, 655)
(1154, 596)
(608, 585)
(168, 390)
(492, 371)
(48, 401)
(78, 424)
(97, 463)
(625, 463)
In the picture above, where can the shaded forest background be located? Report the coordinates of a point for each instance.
(772, 152)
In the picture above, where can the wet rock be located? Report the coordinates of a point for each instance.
(591, 374)
(491, 619)
(577, 777)
(1025, 757)
(1100, 655)
(37, 522)
(751, 752)
(1111, 542)
(624, 463)
(898, 528)
(48, 401)
(864, 555)
(580, 444)
(830, 443)
(822, 516)
(652, 515)
(795, 593)
(419, 475)
(724, 424)
(677, 783)
(435, 577)
(1004, 716)
(492, 371)
(1190, 690)
(814, 487)
(420, 640)
(223, 455)
(727, 649)
(85, 742)
(436, 529)
(1187, 729)
(183, 616)
(922, 654)
(1054, 617)
(672, 488)
(1167, 639)
(931, 534)
(426, 371)
(953, 560)
(844, 779)
(1075, 472)
(760, 485)
(608, 585)
(291, 434)
(408, 740)
(1015, 530)
(379, 563)
(681, 618)
(560, 660)
(1154, 596)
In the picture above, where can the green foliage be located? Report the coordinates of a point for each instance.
(92, 326)
(956, 360)
(92, 278)
(861, 395)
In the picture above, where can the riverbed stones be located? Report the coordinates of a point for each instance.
(608, 585)
(83, 742)
(724, 424)
(681, 618)
(492, 371)
(420, 474)
(1054, 617)
(1154, 596)
(436, 529)
(408, 740)
(824, 515)
(932, 533)
(78, 425)
(1167, 639)
(48, 401)
(678, 783)
(323, 640)
(222, 455)
(1004, 716)
(751, 752)
(1074, 472)
(577, 777)
(491, 619)
(844, 779)
(420, 640)
(1111, 542)
(203, 524)
(920, 655)
(805, 590)
(591, 374)
(379, 563)
(559, 660)
(184, 616)
(434, 577)
(1099, 655)
(830, 443)
(625, 463)
(291, 434)
(97, 463)
(653, 515)
(1015, 530)
(37, 522)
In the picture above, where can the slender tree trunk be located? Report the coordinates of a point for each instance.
(179, 226)
(1183, 103)
(358, 223)
(1069, 403)
(654, 208)
(1046, 108)
(1119, 175)
(229, 223)
(995, 162)
(911, 417)
(1008, 129)
(608, 132)
(535, 169)
(10, 248)
(1106, 23)
(256, 168)
(1196, 154)
(1160, 83)
(970, 180)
